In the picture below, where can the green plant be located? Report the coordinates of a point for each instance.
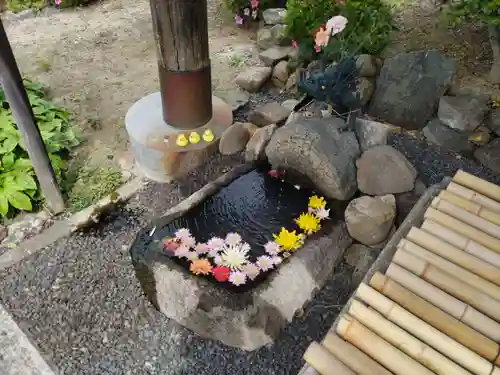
(18, 186)
(482, 10)
(368, 30)
(19, 5)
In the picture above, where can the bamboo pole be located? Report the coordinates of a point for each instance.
(473, 196)
(462, 242)
(324, 362)
(484, 239)
(469, 206)
(466, 217)
(449, 283)
(352, 357)
(451, 268)
(423, 331)
(399, 338)
(384, 353)
(477, 184)
(436, 317)
(454, 255)
(456, 308)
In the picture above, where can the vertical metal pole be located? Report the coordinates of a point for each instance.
(16, 95)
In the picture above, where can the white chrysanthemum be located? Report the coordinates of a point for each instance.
(233, 239)
(189, 241)
(234, 257)
(323, 213)
(245, 247)
(272, 248)
(265, 263)
(183, 233)
(277, 260)
(237, 278)
(192, 256)
(218, 260)
(216, 243)
(251, 270)
(202, 248)
(181, 251)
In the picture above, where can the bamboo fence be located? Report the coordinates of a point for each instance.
(432, 306)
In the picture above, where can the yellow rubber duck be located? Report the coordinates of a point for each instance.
(208, 136)
(194, 138)
(181, 141)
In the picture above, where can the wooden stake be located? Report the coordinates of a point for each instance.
(351, 356)
(456, 308)
(17, 97)
(473, 196)
(428, 334)
(466, 217)
(449, 283)
(324, 362)
(436, 317)
(477, 235)
(384, 353)
(462, 242)
(477, 184)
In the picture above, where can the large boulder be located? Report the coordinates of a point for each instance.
(438, 133)
(370, 219)
(462, 113)
(409, 87)
(489, 155)
(256, 146)
(321, 150)
(384, 170)
(371, 133)
(254, 78)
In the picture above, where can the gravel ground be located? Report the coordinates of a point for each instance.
(80, 303)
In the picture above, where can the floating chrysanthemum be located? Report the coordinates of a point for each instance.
(233, 239)
(192, 256)
(251, 270)
(277, 260)
(322, 213)
(200, 267)
(272, 248)
(181, 251)
(316, 202)
(265, 263)
(308, 223)
(221, 273)
(202, 248)
(237, 278)
(289, 240)
(234, 257)
(183, 233)
(171, 244)
(215, 245)
(189, 241)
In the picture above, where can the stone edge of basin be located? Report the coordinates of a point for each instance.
(248, 320)
(414, 218)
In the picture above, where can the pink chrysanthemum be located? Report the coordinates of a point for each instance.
(265, 263)
(251, 270)
(272, 248)
(237, 278)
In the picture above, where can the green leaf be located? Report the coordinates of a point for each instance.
(24, 181)
(19, 200)
(4, 203)
(23, 163)
(8, 161)
(38, 110)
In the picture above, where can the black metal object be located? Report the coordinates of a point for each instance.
(16, 95)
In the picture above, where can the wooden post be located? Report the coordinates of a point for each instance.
(16, 95)
(181, 34)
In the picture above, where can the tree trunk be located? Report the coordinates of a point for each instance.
(494, 32)
(16, 96)
(181, 35)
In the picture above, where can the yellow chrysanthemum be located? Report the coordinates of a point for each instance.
(316, 202)
(289, 240)
(201, 266)
(308, 223)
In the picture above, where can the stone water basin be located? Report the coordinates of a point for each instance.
(250, 202)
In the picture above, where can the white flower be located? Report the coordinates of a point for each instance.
(218, 260)
(202, 248)
(265, 263)
(192, 255)
(251, 270)
(246, 12)
(237, 278)
(322, 213)
(277, 260)
(234, 257)
(311, 210)
(245, 247)
(336, 24)
(233, 239)
(183, 233)
(272, 248)
(182, 251)
(215, 243)
(189, 241)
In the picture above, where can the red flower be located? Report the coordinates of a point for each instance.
(221, 273)
(170, 244)
(294, 44)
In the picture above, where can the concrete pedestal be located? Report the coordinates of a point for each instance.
(153, 140)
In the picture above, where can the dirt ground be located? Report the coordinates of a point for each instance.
(97, 61)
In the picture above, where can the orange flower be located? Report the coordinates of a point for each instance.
(200, 267)
(322, 38)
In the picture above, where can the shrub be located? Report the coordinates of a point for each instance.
(368, 30)
(19, 5)
(18, 186)
(474, 10)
